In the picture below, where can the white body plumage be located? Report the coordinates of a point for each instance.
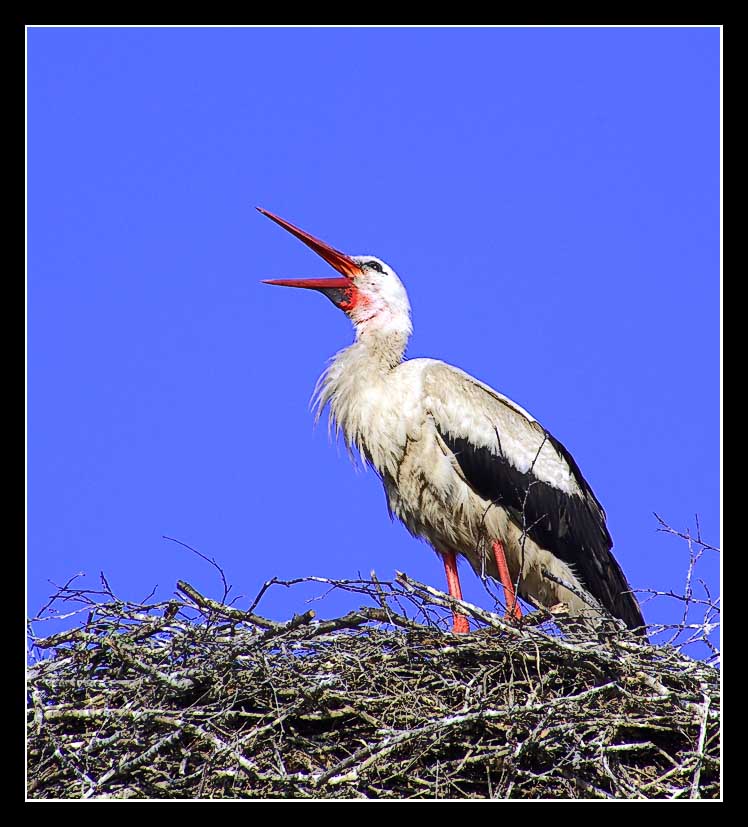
(389, 415)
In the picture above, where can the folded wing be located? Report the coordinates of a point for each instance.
(509, 459)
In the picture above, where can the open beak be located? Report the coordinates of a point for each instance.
(344, 264)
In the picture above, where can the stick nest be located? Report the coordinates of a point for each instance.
(193, 698)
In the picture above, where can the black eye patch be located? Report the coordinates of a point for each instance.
(375, 265)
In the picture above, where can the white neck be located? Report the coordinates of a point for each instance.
(354, 379)
(381, 346)
(371, 320)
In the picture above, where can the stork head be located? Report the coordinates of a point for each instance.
(368, 291)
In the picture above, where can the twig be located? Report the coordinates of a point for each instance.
(226, 586)
(695, 793)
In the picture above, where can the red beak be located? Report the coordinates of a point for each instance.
(344, 264)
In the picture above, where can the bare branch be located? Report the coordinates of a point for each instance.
(226, 587)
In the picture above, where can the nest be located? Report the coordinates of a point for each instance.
(195, 699)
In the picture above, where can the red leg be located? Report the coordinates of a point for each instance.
(460, 623)
(512, 607)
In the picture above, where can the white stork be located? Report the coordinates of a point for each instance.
(463, 467)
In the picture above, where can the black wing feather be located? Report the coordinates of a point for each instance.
(571, 527)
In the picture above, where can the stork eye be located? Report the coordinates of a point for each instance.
(375, 265)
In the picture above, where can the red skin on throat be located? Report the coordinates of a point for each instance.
(352, 299)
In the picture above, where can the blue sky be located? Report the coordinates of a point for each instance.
(550, 198)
